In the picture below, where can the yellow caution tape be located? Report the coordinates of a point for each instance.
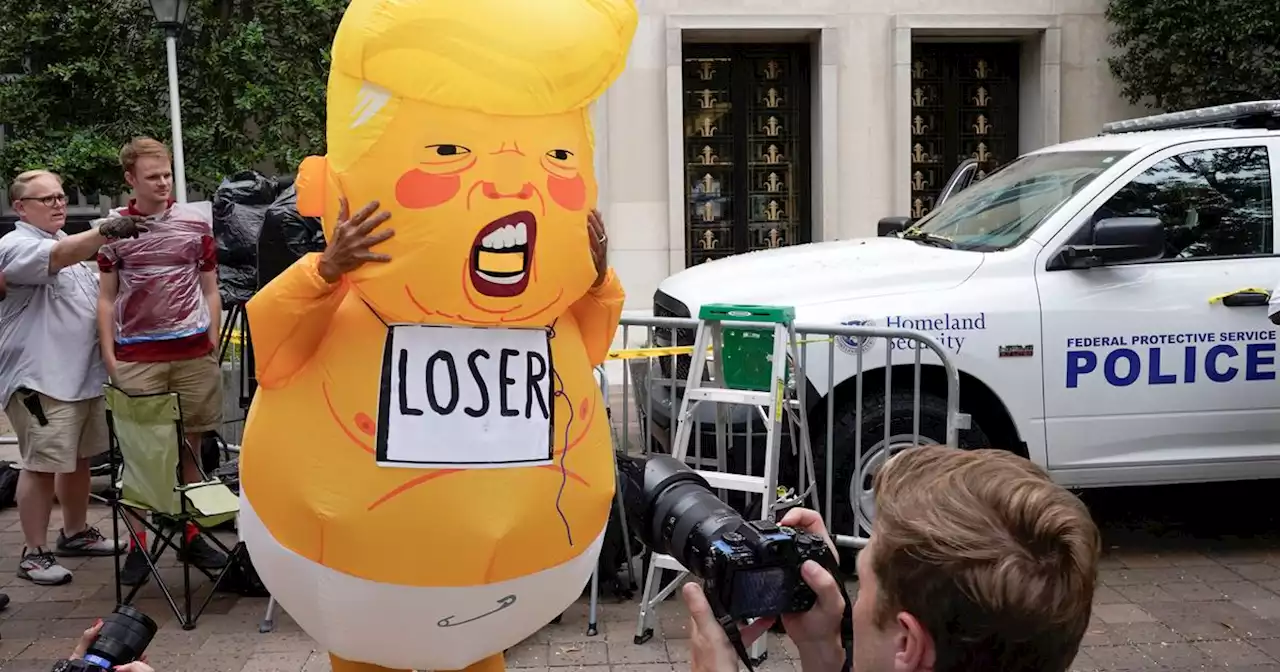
(1247, 290)
(237, 337)
(647, 353)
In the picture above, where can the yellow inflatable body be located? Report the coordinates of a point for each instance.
(426, 469)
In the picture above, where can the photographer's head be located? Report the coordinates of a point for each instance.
(977, 562)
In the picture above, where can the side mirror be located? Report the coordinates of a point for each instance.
(1116, 240)
(891, 225)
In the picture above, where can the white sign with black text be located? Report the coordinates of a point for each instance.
(465, 397)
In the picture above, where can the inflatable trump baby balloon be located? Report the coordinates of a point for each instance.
(426, 468)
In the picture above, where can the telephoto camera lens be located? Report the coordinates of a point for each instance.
(125, 635)
(672, 509)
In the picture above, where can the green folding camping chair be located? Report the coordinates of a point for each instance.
(146, 437)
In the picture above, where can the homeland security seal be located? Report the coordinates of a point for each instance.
(852, 345)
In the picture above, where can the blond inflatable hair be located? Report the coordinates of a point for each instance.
(427, 468)
(499, 58)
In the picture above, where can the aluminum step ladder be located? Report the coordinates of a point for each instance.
(753, 371)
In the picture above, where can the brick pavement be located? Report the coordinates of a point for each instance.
(1190, 581)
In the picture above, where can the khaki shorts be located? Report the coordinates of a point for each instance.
(75, 430)
(198, 383)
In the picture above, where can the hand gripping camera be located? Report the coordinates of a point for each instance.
(124, 637)
(749, 569)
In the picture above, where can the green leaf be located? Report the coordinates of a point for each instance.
(1183, 54)
(252, 78)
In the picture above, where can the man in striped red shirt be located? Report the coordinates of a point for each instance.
(159, 313)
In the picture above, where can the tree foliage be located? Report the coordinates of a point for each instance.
(1183, 54)
(252, 77)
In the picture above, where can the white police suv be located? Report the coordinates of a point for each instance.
(1104, 300)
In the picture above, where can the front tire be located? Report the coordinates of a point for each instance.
(854, 479)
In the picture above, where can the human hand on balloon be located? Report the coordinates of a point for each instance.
(348, 248)
(599, 246)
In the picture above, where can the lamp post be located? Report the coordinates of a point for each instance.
(170, 15)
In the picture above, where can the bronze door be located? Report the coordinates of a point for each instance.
(964, 105)
(746, 146)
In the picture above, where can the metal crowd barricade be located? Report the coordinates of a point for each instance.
(653, 362)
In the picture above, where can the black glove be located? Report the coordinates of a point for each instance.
(122, 226)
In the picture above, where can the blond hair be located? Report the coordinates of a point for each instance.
(995, 560)
(494, 57)
(139, 147)
(18, 188)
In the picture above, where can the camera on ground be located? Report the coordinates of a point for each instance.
(749, 569)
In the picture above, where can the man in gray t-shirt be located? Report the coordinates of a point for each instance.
(51, 371)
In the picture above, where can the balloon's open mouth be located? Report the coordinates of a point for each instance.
(502, 253)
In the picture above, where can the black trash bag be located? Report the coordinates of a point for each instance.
(286, 236)
(303, 235)
(239, 209)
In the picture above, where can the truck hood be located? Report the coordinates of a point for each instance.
(817, 273)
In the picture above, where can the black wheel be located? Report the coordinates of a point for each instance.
(854, 479)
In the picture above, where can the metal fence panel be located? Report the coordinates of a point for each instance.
(646, 403)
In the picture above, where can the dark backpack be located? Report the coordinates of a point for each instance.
(612, 566)
(242, 579)
(8, 484)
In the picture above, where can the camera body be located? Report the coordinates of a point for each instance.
(754, 571)
(749, 569)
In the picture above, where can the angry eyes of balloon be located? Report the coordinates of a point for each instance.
(446, 150)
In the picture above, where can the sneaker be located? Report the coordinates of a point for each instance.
(4, 601)
(201, 554)
(135, 571)
(88, 542)
(41, 568)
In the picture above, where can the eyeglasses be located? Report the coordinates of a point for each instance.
(49, 201)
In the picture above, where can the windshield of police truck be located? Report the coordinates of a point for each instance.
(1002, 209)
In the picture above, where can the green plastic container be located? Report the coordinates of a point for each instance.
(747, 351)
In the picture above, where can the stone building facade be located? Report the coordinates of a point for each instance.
(748, 124)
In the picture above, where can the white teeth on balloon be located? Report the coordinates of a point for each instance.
(507, 237)
(501, 280)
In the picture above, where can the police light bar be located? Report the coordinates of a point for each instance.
(1262, 114)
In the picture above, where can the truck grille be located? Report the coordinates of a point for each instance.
(665, 305)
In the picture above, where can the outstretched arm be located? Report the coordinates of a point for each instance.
(289, 318)
(598, 314)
